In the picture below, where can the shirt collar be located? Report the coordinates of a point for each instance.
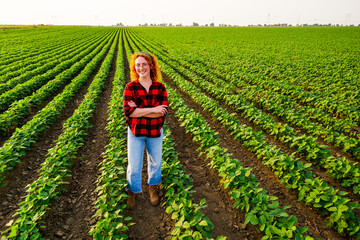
(137, 81)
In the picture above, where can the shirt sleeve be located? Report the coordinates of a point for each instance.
(163, 98)
(127, 97)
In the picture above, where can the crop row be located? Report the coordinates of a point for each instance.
(111, 204)
(266, 99)
(292, 173)
(39, 60)
(338, 104)
(16, 40)
(190, 222)
(261, 209)
(34, 43)
(282, 67)
(262, 93)
(23, 138)
(295, 175)
(265, 93)
(311, 111)
(11, 61)
(40, 64)
(25, 89)
(21, 109)
(339, 168)
(111, 184)
(55, 168)
(333, 81)
(50, 64)
(255, 59)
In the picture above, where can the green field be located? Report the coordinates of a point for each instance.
(262, 138)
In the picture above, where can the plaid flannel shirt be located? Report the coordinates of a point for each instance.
(144, 126)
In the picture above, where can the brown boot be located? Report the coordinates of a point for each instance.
(154, 194)
(131, 200)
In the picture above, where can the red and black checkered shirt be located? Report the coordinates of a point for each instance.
(144, 126)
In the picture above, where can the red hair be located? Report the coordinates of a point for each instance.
(155, 73)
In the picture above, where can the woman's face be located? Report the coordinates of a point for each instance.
(142, 67)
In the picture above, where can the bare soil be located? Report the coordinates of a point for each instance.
(70, 216)
(306, 216)
(27, 170)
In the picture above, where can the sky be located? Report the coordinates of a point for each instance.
(185, 12)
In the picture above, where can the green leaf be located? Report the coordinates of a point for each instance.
(176, 231)
(186, 225)
(175, 215)
(273, 205)
(221, 238)
(203, 223)
(252, 219)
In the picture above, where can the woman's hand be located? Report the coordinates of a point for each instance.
(162, 109)
(153, 112)
(132, 104)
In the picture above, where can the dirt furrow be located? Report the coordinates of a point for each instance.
(335, 151)
(71, 214)
(227, 221)
(268, 181)
(31, 115)
(27, 170)
(151, 222)
(318, 171)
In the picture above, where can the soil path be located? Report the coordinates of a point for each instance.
(318, 171)
(151, 222)
(27, 170)
(306, 216)
(206, 185)
(268, 181)
(227, 221)
(71, 215)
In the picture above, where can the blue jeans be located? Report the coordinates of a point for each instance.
(135, 148)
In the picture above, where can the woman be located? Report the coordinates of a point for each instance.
(145, 107)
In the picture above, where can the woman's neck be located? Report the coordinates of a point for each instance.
(145, 80)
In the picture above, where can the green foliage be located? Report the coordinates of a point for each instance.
(23, 138)
(56, 166)
(291, 172)
(190, 222)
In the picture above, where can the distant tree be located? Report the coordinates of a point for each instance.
(195, 24)
(212, 24)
